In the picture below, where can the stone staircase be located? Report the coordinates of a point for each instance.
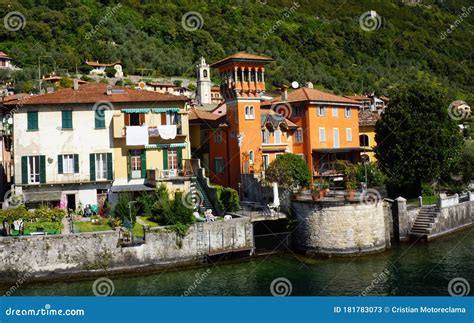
(199, 194)
(424, 222)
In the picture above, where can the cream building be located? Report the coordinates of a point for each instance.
(71, 147)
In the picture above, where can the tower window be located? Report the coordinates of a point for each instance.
(252, 75)
(204, 73)
(239, 75)
(249, 112)
(246, 75)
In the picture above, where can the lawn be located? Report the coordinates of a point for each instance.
(137, 229)
(90, 227)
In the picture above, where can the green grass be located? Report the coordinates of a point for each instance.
(427, 200)
(137, 229)
(89, 227)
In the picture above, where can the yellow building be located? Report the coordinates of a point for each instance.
(367, 121)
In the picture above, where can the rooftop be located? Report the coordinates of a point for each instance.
(97, 64)
(3, 55)
(96, 92)
(307, 94)
(242, 57)
(368, 118)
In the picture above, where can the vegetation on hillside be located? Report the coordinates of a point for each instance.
(317, 40)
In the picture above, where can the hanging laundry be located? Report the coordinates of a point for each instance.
(168, 132)
(137, 135)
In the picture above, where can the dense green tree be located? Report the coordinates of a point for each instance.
(288, 170)
(416, 139)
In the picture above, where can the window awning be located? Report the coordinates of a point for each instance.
(137, 110)
(42, 196)
(161, 110)
(164, 146)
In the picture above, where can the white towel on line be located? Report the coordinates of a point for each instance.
(137, 135)
(168, 132)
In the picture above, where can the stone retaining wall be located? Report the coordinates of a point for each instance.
(341, 230)
(43, 255)
(453, 217)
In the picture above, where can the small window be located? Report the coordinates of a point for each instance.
(173, 158)
(204, 73)
(67, 119)
(265, 161)
(246, 76)
(101, 166)
(218, 136)
(68, 164)
(219, 165)
(364, 140)
(33, 169)
(99, 116)
(334, 112)
(135, 119)
(299, 135)
(265, 136)
(348, 112)
(32, 117)
(321, 111)
(322, 135)
(251, 157)
(277, 135)
(249, 112)
(349, 134)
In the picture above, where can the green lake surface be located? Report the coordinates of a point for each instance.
(405, 269)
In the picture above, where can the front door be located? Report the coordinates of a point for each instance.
(71, 201)
(135, 163)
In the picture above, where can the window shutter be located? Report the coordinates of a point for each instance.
(129, 163)
(165, 158)
(163, 119)
(24, 170)
(76, 163)
(42, 169)
(141, 117)
(60, 164)
(143, 162)
(92, 167)
(32, 120)
(109, 167)
(127, 119)
(99, 117)
(180, 157)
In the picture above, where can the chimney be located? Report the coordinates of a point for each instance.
(284, 93)
(76, 84)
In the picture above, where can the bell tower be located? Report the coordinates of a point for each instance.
(203, 82)
(242, 84)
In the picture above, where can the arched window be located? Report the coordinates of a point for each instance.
(204, 72)
(364, 140)
(249, 112)
(251, 157)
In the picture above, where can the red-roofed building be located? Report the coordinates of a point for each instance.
(5, 61)
(99, 68)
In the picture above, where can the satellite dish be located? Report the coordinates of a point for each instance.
(295, 85)
(10, 120)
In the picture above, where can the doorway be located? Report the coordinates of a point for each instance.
(71, 201)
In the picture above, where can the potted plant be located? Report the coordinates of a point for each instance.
(350, 177)
(320, 189)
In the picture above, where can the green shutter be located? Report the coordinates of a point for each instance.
(109, 167)
(60, 164)
(66, 119)
(42, 169)
(165, 158)
(32, 117)
(92, 167)
(180, 158)
(143, 162)
(99, 119)
(76, 163)
(24, 170)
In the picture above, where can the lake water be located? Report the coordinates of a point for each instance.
(406, 269)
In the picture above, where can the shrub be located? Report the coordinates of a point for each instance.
(125, 210)
(375, 177)
(110, 71)
(288, 170)
(181, 213)
(52, 215)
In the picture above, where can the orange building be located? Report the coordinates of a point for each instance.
(327, 127)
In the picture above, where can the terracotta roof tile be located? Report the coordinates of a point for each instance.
(242, 56)
(95, 92)
(307, 94)
(368, 118)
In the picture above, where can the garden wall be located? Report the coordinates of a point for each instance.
(45, 255)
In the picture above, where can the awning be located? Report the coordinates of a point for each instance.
(131, 188)
(138, 110)
(165, 146)
(161, 110)
(42, 196)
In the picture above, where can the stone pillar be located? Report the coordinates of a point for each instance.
(400, 219)
(420, 201)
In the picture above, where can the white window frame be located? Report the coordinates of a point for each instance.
(34, 169)
(265, 136)
(278, 130)
(251, 157)
(334, 112)
(100, 160)
(249, 112)
(321, 111)
(265, 161)
(172, 158)
(349, 134)
(322, 135)
(68, 164)
(299, 135)
(336, 134)
(348, 112)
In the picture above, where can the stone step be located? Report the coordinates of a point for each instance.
(419, 231)
(425, 219)
(420, 226)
